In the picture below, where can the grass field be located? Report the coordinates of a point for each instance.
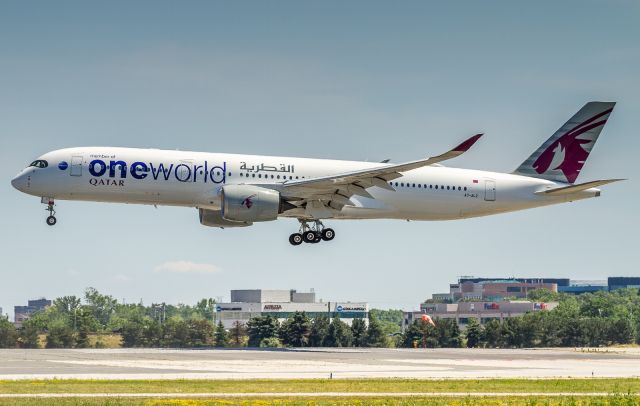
(620, 400)
(620, 392)
(617, 385)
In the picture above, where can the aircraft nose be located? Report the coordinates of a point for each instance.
(18, 182)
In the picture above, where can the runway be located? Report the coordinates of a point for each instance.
(317, 363)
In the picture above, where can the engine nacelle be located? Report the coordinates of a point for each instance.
(213, 218)
(249, 203)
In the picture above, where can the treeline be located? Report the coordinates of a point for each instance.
(593, 320)
(72, 322)
(599, 319)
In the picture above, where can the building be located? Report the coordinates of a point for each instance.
(23, 313)
(482, 311)
(491, 289)
(623, 282)
(580, 287)
(282, 304)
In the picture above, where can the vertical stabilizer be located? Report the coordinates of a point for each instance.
(562, 156)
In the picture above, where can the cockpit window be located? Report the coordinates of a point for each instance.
(40, 163)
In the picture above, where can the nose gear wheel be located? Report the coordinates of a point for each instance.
(51, 219)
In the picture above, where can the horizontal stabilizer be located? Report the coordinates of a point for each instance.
(566, 190)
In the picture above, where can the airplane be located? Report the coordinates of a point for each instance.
(231, 190)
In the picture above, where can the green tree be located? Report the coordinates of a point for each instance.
(543, 295)
(295, 331)
(85, 324)
(102, 306)
(199, 333)
(447, 334)
(390, 320)
(238, 334)
(259, 328)
(420, 334)
(473, 333)
(8, 334)
(319, 330)
(270, 342)
(60, 334)
(376, 336)
(221, 337)
(359, 333)
(29, 335)
(205, 308)
(491, 334)
(68, 307)
(338, 334)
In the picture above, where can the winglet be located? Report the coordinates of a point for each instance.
(464, 147)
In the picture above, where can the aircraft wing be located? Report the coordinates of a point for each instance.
(335, 190)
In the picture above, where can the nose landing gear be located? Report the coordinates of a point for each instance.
(51, 220)
(311, 234)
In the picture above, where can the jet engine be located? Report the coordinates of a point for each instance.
(213, 218)
(246, 203)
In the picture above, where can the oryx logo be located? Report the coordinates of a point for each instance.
(568, 153)
(248, 202)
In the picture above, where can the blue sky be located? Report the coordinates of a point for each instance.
(359, 80)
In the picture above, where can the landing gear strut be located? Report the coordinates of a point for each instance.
(311, 234)
(51, 220)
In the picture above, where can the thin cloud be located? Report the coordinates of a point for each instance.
(186, 267)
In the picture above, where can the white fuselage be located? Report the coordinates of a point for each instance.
(194, 179)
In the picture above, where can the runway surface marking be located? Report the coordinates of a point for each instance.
(300, 394)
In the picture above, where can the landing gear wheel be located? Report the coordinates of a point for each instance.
(51, 221)
(328, 234)
(309, 236)
(295, 239)
(318, 238)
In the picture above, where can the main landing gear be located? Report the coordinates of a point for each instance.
(51, 220)
(311, 234)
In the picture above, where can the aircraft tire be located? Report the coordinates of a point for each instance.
(295, 239)
(309, 236)
(51, 220)
(328, 234)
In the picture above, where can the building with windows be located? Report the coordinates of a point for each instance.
(23, 313)
(482, 311)
(580, 287)
(623, 282)
(282, 304)
(495, 289)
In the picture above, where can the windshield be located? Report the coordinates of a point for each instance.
(40, 163)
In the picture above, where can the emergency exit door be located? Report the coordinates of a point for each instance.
(490, 190)
(76, 165)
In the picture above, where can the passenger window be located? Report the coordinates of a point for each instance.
(447, 187)
(436, 187)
